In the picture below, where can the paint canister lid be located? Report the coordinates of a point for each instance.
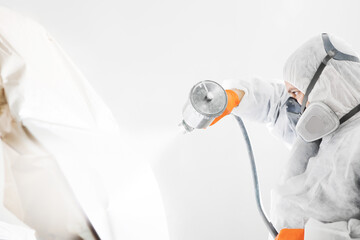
(208, 98)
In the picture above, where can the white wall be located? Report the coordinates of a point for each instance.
(143, 57)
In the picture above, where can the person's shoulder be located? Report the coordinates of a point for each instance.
(348, 135)
(353, 129)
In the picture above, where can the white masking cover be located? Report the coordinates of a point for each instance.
(57, 135)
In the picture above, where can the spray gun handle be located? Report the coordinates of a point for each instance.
(234, 97)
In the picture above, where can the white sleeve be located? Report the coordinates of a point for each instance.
(264, 102)
(342, 230)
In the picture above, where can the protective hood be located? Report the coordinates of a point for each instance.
(339, 83)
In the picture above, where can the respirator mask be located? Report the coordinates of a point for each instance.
(319, 119)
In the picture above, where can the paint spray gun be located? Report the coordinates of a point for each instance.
(207, 101)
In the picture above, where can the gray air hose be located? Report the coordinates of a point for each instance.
(268, 224)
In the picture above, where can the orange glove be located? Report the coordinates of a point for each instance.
(290, 234)
(233, 100)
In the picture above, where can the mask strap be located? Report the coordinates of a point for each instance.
(329, 48)
(350, 114)
(331, 52)
(313, 81)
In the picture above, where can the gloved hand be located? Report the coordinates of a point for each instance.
(233, 101)
(290, 234)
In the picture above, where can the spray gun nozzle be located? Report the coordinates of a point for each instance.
(186, 127)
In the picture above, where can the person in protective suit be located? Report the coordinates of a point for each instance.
(316, 112)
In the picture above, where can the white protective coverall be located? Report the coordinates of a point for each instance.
(320, 186)
(55, 131)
